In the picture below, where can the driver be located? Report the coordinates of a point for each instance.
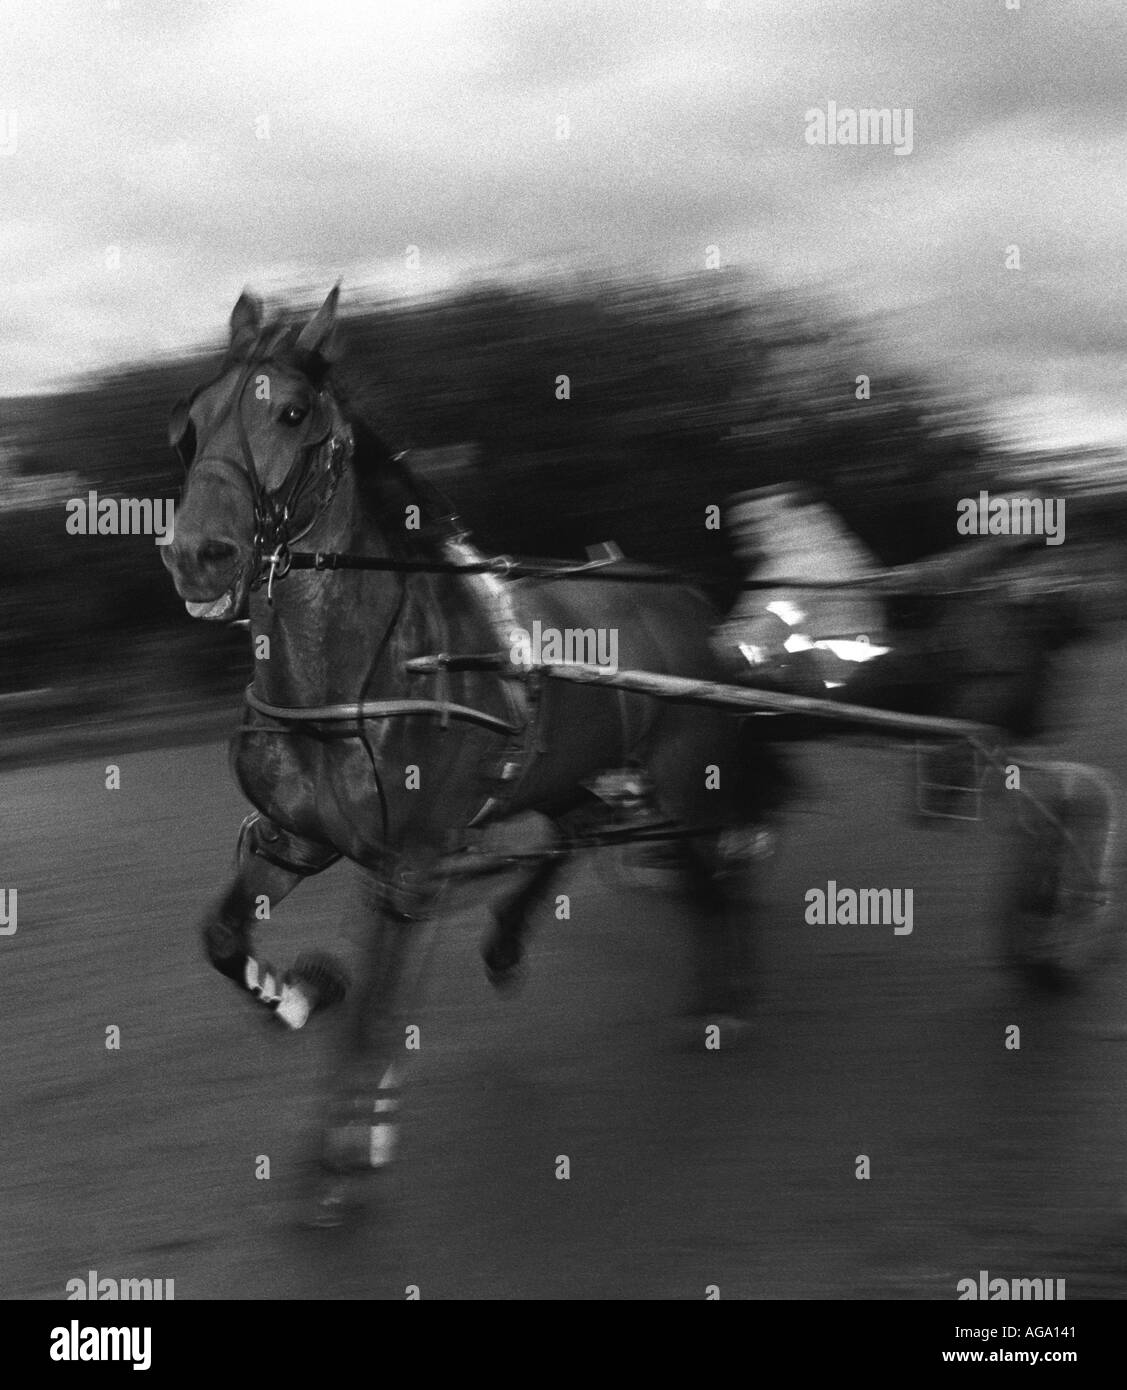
(800, 640)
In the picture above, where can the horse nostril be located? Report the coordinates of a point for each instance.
(217, 552)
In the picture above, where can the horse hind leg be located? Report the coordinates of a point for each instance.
(722, 939)
(698, 769)
(503, 948)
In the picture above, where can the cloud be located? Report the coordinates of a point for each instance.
(221, 144)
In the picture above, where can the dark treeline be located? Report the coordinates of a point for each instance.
(679, 394)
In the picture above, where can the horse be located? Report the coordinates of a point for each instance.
(347, 754)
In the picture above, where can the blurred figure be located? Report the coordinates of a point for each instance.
(984, 633)
(799, 641)
(985, 642)
(802, 640)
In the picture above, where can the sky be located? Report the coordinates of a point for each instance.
(156, 157)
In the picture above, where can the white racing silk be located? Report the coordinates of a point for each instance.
(786, 536)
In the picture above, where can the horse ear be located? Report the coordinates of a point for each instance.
(319, 336)
(246, 318)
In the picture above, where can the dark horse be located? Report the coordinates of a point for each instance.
(346, 754)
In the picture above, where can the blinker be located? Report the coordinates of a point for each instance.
(182, 432)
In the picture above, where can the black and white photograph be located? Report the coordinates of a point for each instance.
(563, 571)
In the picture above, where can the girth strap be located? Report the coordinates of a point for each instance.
(373, 709)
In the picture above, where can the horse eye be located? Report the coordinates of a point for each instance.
(293, 415)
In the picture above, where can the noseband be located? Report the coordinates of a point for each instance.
(274, 509)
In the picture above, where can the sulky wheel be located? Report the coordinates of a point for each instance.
(1061, 910)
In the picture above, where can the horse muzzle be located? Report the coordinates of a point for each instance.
(212, 577)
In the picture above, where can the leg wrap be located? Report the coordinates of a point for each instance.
(270, 861)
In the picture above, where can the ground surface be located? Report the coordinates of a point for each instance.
(688, 1167)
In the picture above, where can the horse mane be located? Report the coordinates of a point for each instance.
(276, 341)
(386, 486)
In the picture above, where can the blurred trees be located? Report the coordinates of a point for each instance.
(679, 394)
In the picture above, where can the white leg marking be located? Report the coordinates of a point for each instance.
(381, 1143)
(294, 1008)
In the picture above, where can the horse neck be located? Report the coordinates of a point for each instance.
(337, 636)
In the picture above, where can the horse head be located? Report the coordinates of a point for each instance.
(262, 444)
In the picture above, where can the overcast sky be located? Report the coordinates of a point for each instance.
(162, 155)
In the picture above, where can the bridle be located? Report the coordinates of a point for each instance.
(275, 509)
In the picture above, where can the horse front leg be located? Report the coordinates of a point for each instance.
(271, 862)
(378, 1037)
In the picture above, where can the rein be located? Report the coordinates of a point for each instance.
(273, 556)
(892, 584)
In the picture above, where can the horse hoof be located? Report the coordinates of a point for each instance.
(337, 1200)
(504, 968)
(508, 980)
(330, 1206)
(314, 982)
(271, 991)
(327, 1211)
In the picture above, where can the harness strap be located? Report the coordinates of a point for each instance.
(273, 511)
(371, 709)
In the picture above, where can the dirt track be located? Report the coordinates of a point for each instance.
(688, 1167)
